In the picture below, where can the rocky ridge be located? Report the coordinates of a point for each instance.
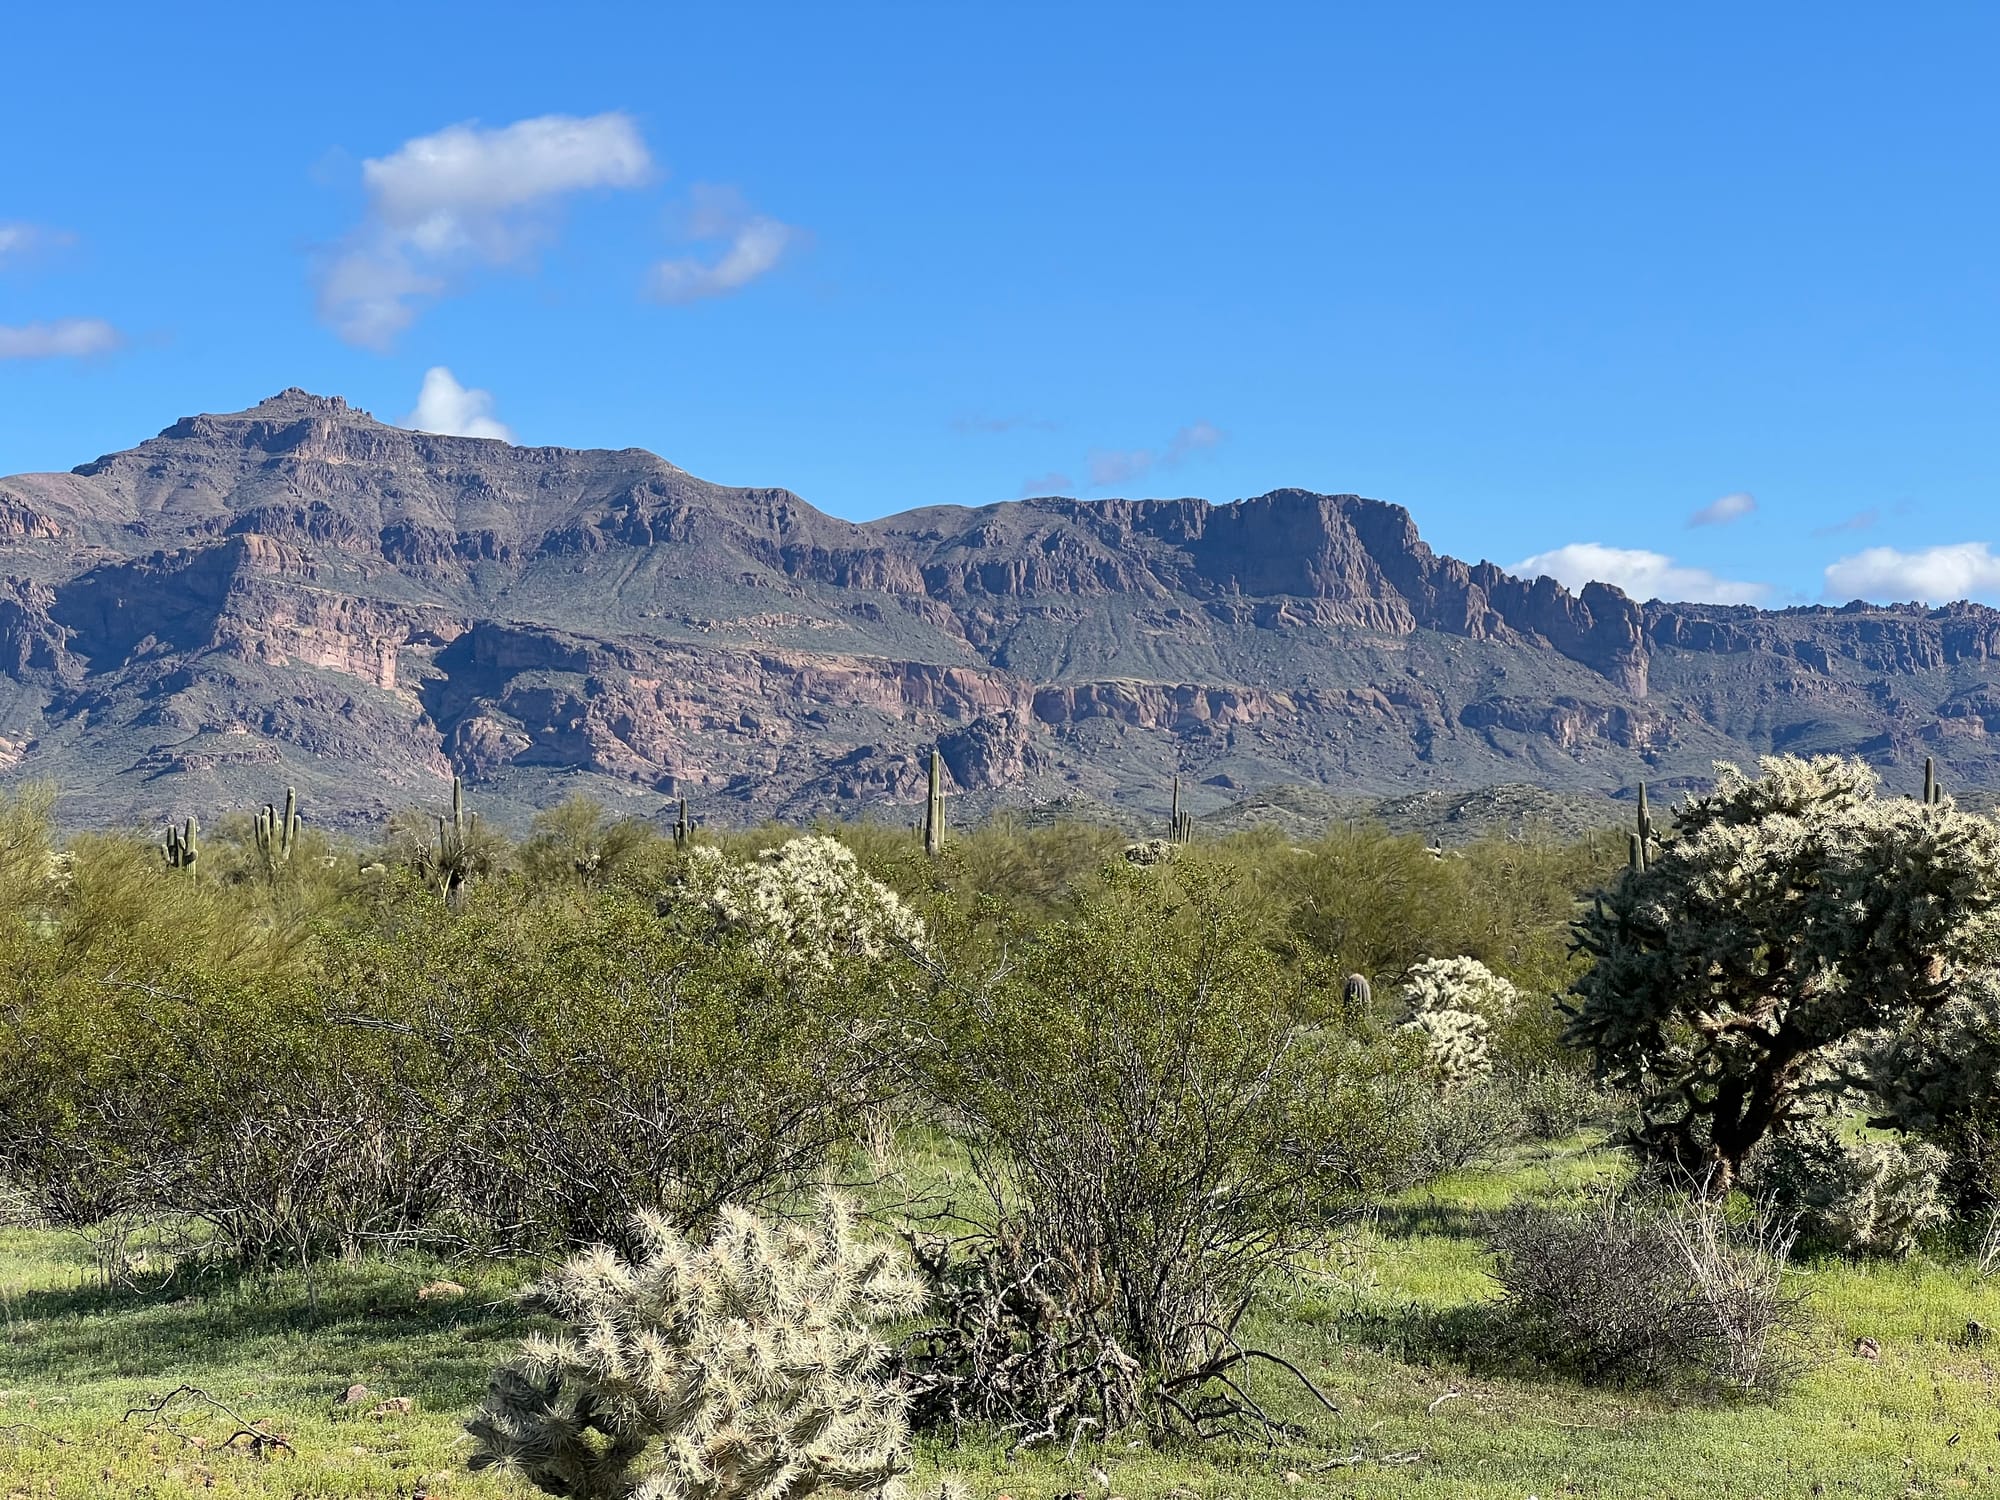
(298, 593)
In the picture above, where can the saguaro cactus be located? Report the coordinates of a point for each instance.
(456, 854)
(183, 846)
(1180, 825)
(934, 809)
(683, 827)
(276, 834)
(1357, 993)
(1933, 792)
(1635, 843)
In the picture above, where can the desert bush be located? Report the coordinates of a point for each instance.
(1668, 1293)
(1371, 902)
(748, 1368)
(1555, 1102)
(1448, 1130)
(1848, 1196)
(1156, 1122)
(578, 842)
(597, 1058)
(1785, 917)
(218, 1099)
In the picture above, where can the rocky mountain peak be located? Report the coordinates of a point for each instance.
(298, 592)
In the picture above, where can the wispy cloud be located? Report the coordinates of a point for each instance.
(1054, 483)
(1731, 507)
(1861, 520)
(64, 338)
(1936, 575)
(1641, 574)
(18, 241)
(1001, 424)
(744, 245)
(466, 196)
(1111, 468)
(444, 406)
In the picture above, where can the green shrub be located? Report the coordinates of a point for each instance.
(1154, 1115)
(1555, 1102)
(1448, 1130)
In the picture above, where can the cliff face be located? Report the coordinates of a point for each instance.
(299, 593)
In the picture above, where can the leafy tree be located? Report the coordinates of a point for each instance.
(1787, 917)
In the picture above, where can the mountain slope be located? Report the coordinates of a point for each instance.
(298, 593)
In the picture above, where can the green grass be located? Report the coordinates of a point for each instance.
(1388, 1320)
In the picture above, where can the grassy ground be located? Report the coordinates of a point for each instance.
(1388, 1321)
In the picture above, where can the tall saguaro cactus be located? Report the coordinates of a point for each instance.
(276, 834)
(934, 809)
(182, 847)
(1933, 792)
(683, 827)
(455, 845)
(1180, 825)
(1635, 843)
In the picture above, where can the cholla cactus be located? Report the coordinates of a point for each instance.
(1784, 918)
(807, 899)
(1852, 1197)
(1453, 1004)
(746, 1369)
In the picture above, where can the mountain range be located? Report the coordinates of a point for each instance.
(299, 594)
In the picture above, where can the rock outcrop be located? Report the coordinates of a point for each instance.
(298, 592)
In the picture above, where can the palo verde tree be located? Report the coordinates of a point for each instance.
(1786, 918)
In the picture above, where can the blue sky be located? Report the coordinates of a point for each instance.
(1561, 279)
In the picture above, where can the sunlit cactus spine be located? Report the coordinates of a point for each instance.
(1180, 825)
(934, 809)
(183, 846)
(748, 1368)
(276, 834)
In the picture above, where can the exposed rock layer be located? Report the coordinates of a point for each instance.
(298, 592)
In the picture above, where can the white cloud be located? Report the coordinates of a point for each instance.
(1111, 467)
(65, 338)
(19, 241)
(1641, 574)
(753, 244)
(1936, 575)
(1731, 507)
(444, 406)
(465, 196)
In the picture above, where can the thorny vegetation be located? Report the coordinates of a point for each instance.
(1166, 1086)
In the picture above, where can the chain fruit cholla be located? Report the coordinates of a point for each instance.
(745, 1369)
